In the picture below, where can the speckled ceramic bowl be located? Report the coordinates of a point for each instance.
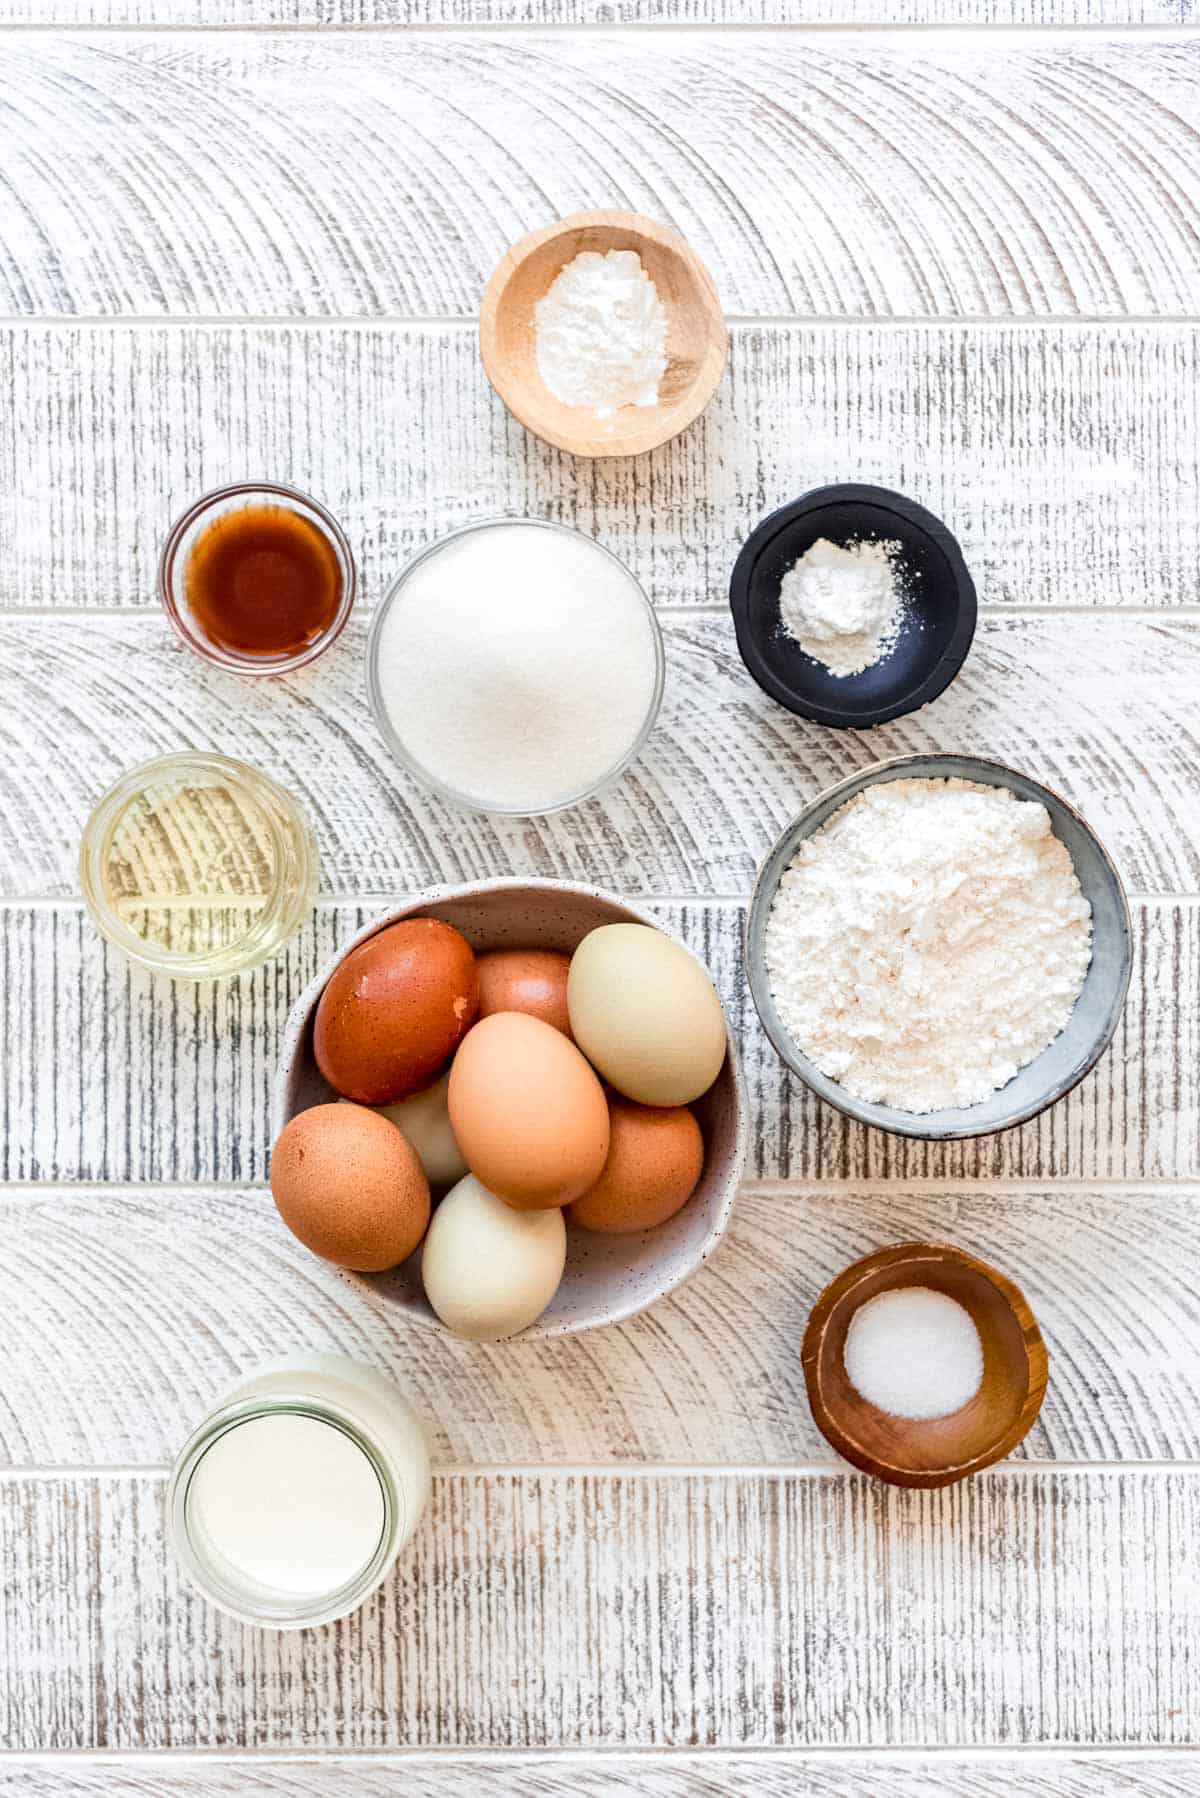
(607, 1278)
(1089, 1030)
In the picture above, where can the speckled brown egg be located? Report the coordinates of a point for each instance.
(654, 1160)
(350, 1187)
(528, 1112)
(395, 1010)
(529, 980)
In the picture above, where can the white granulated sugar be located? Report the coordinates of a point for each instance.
(517, 665)
(929, 940)
(914, 1352)
(601, 333)
(844, 604)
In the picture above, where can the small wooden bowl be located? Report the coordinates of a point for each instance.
(935, 1451)
(697, 341)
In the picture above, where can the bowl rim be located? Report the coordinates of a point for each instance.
(430, 781)
(762, 895)
(300, 1012)
(917, 1252)
(684, 411)
(948, 664)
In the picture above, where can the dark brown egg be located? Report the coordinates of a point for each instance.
(655, 1155)
(529, 980)
(350, 1187)
(395, 1010)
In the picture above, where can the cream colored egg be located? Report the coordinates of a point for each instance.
(425, 1120)
(646, 1014)
(490, 1271)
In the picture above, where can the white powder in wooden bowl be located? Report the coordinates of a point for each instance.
(914, 1352)
(928, 941)
(601, 333)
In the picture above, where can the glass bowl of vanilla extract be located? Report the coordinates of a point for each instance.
(257, 578)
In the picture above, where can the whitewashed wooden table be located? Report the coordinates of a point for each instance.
(248, 237)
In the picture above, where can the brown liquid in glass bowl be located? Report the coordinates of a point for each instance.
(263, 580)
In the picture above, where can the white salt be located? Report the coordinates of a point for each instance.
(914, 1353)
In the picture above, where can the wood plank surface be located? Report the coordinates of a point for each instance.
(846, 177)
(1075, 485)
(607, 14)
(108, 1075)
(129, 1313)
(710, 1773)
(964, 263)
(611, 1610)
(724, 771)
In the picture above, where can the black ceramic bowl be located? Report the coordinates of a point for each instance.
(939, 619)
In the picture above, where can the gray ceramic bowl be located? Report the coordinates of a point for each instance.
(607, 1278)
(1090, 1028)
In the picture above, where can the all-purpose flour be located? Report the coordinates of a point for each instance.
(928, 941)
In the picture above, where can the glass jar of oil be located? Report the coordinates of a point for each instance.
(197, 866)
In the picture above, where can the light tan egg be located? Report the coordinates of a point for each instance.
(646, 1014)
(655, 1155)
(528, 1112)
(350, 1187)
(424, 1119)
(490, 1271)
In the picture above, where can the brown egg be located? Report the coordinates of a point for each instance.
(528, 1112)
(350, 1187)
(654, 1160)
(531, 980)
(395, 1010)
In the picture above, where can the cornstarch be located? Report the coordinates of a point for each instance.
(928, 941)
(843, 604)
(601, 333)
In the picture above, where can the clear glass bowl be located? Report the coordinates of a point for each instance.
(197, 866)
(428, 778)
(186, 532)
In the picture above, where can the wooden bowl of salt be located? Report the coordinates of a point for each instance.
(915, 1351)
(696, 339)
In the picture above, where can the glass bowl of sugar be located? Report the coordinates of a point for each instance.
(515, 666)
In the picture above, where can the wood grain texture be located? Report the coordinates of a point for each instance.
(108, 1075)
(607, 13)
(129, 1313)
(599, 1609)
(724, 771)
(344, 175)
(1065, 461)
(707, 1773)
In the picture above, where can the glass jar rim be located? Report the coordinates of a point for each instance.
(428, 779)
(213, 652)
(255, 944)
(305, 1611)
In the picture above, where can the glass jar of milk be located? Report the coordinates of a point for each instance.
(289, 1504)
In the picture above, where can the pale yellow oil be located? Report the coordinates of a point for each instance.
(191, 865)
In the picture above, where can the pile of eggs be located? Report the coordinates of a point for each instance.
(528, 1087)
